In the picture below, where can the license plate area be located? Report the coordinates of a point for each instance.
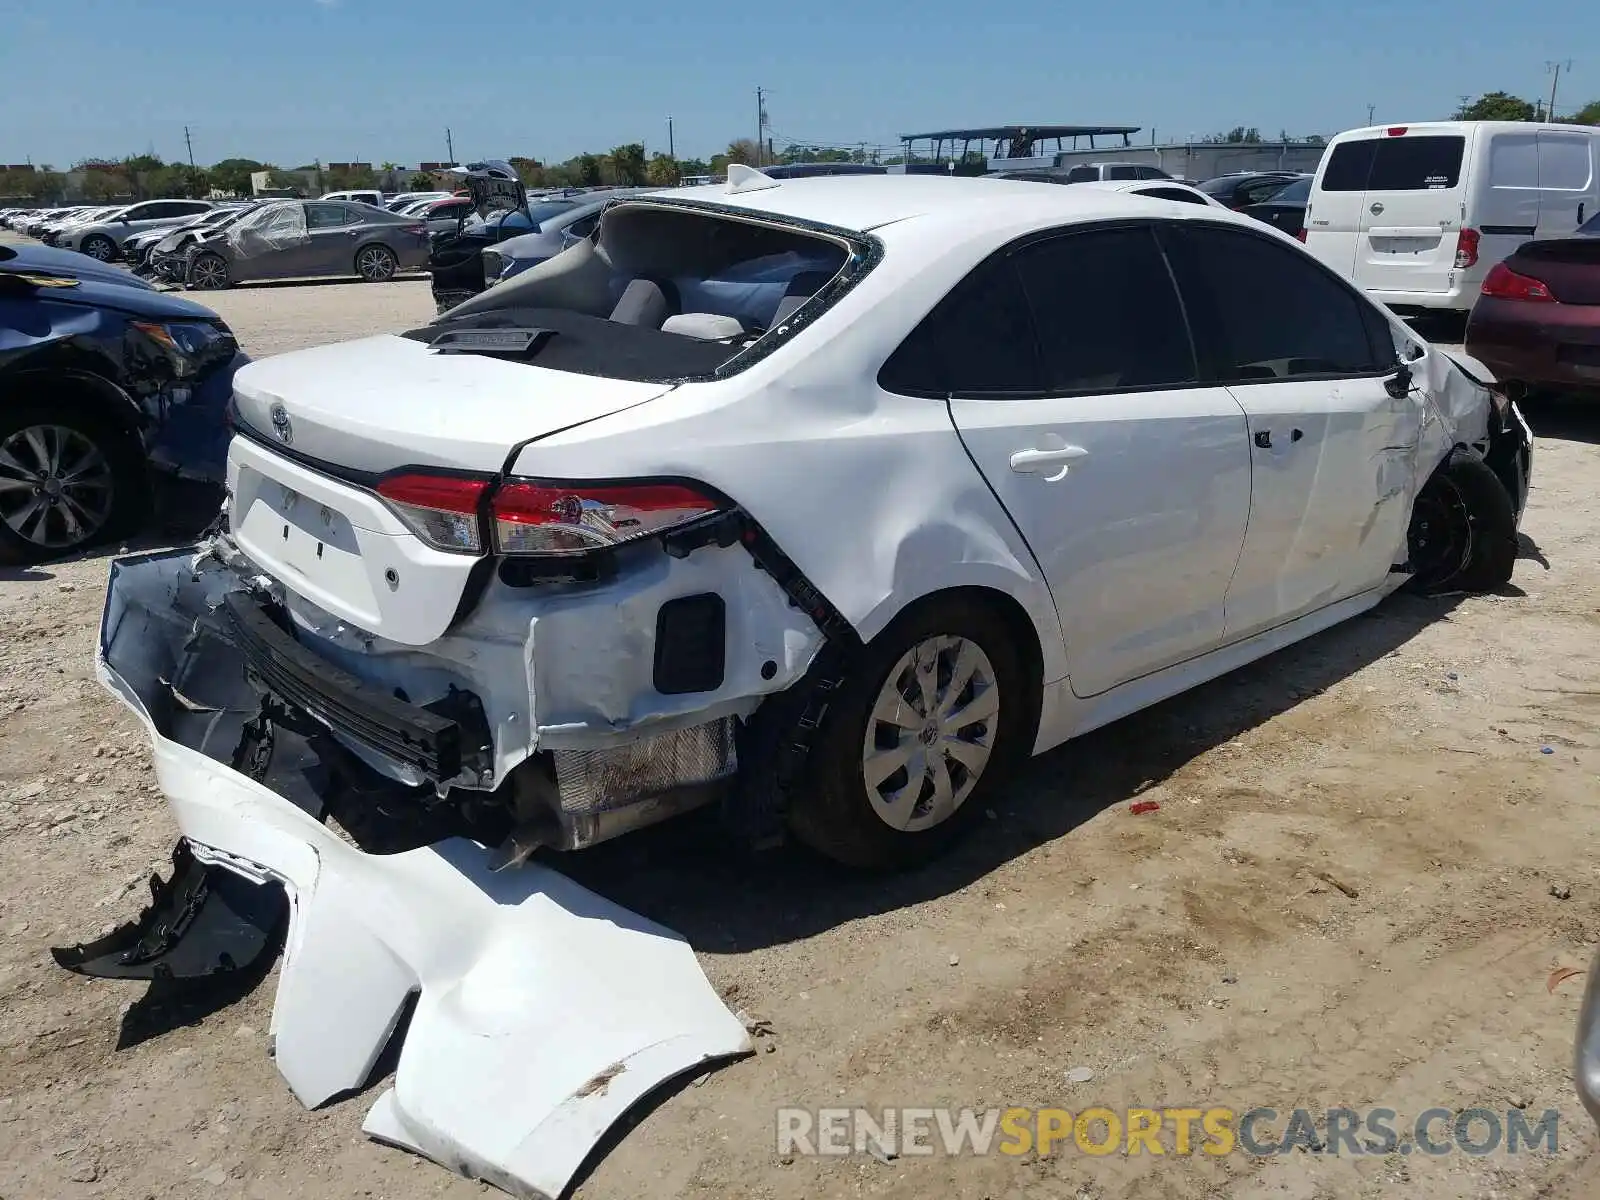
(311, 544)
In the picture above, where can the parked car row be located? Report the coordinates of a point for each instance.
(206, 245)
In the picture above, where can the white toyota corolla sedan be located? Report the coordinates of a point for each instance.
(831, 499)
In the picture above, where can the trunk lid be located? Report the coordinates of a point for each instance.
(1569, 267)
(385, 402)
(368, 407)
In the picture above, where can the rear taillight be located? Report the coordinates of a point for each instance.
(442, 510)
(1466, 249)
(554, 518)
(1505, 284)
(1300, 235)
(419, 230)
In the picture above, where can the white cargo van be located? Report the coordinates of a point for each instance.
(1417, 214)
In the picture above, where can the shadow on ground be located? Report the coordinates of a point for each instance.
(685, 875)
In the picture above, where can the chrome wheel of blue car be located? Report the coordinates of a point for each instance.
(57, 487)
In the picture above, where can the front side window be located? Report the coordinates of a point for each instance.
(1181, 195)
(1121, 172)
(1105, 312)
(1083, 174)
(1264, 311)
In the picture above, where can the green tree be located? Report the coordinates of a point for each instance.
(627, 163)
(1497, 106)
(346, 178)
(424, 183)
(742, 150)
(1589, 114)
(584, 170)
(530, 170)
(693, 166)
(663, 171)
(232, 175)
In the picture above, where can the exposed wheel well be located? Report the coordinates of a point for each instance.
(1017, 623)
(78, 388)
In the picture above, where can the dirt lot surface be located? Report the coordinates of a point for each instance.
(1370, 853)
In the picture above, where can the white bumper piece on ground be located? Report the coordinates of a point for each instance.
(543, 1011)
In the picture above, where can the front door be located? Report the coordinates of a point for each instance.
(1332, 452)
(1128, 478)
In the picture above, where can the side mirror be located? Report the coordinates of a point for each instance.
(124, 219)
(1398, 385)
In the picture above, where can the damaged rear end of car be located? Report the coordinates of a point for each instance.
(397, 668)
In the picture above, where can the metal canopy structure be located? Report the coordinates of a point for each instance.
(1014, 141)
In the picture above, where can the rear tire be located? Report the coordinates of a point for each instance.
(376, 264)
(875, 793)
(208, 273)
(69, 479)
(1463, 534)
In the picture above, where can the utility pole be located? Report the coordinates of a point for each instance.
(672, 151)
(1555, 69)
(761, 121)
(449, 146)
(1371, 108)
(189, 142)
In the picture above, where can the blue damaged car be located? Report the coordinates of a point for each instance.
(105, 385)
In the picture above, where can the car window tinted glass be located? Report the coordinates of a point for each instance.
(326, 216)
(1297, 192)
(1262, 189)
(1105, 312)
(1591, 227)
(1266, 311)
(1083, 174)
(1218, 187)
(1416, 164)
(1121, 173)
(978, 340)
(1349, 165)
(1173, 193)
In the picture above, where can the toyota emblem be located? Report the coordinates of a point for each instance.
(281, 426)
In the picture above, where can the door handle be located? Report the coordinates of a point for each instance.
(1034, 460)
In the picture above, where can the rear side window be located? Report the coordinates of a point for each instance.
(1121, 173)
(1265, 312)
(1083, 174)
(978, 340)
(1105, 312)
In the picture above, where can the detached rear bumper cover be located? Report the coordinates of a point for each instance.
(543, 1011)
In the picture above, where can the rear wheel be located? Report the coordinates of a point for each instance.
(1463, 533)
(928, 720)
(99, 247)
(68, 479)
(376, 263)
(208, 272)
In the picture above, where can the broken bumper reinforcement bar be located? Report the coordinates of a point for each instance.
(540, 1011)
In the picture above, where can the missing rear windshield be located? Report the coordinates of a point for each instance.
(665, 293)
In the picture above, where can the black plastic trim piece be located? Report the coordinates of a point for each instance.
(282, 666)
(691, 651)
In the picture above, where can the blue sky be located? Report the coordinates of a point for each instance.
(289, 81)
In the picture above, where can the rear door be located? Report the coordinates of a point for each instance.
(334, 230)
(1567, 183)
(1072, 381)
(1333, 216)
(1307, 358)
(1411, 212)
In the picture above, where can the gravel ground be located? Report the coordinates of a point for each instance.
(1370, 852)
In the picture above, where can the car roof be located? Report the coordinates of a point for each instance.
(866, 202)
